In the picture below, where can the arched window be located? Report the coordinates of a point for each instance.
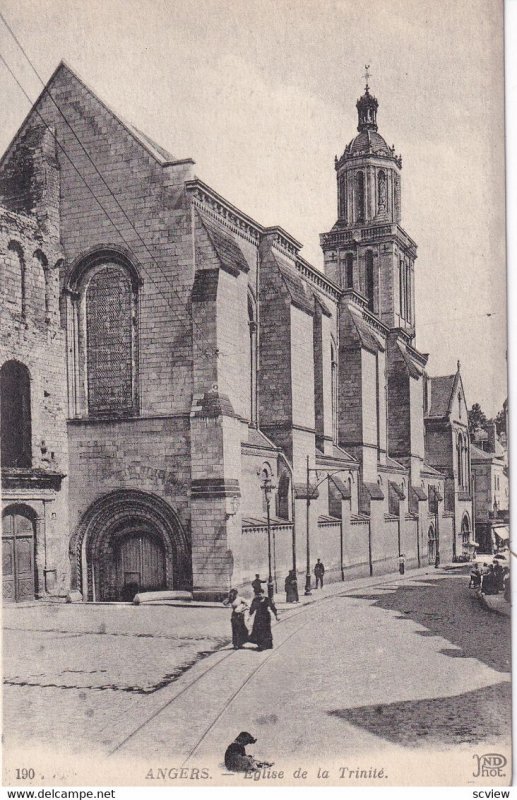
(283, 496)
(359, 197)
(333, 390)
(369, 280)
(381, 192)
(459, 454)
(252, 324)
(109, 341)
(15, 410)
(42, 282)
(14, 247)
(349, 271)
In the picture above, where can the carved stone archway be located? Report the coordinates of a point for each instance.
(106, 522)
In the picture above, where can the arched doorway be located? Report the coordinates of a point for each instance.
(128, 542)
(431, 545)
(139, 558)
(18, 568)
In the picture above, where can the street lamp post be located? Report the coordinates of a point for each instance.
(308, 544)
(267, 487)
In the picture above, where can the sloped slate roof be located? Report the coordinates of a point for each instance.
(374, 490)
(257, 439)
(367, 337)
(431, 470)
(420, 493)
(399, 491)
(414, 368)
(476, 454)
(390, 462)
(295, 287)
(228, 251)
(342, 487)
(441, 391)
(261, 522)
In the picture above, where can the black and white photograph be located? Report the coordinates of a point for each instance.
(253, 394)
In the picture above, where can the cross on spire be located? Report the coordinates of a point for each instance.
(367, 75)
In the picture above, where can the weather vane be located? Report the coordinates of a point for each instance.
(367, 75)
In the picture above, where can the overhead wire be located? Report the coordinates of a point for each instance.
(214, 351)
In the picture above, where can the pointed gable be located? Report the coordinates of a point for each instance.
(447, 397)
(440, 390)
(50, 100)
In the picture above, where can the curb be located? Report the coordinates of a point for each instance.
(494, 603)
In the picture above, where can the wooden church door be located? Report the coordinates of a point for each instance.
(17, 557)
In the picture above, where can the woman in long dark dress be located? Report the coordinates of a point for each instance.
(239, 629)
(291, 588)
(262, 607)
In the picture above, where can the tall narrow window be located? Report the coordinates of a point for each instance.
(41, 260)
(342, 197)
(408, 291)
(15, 410)
(333, 390)
(461, 457)
(349, 271)
(401, 289)
(369, 280)
(252, 324)
(381, 192)
(14, 247)
(283, 496)
(109, 349)
(359, 197)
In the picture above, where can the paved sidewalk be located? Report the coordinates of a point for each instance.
(337, 587)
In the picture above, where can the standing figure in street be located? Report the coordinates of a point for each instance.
(319, 571)
(291, 588)
(262, 607)
(257, 583)
(239, 629)
(475, 577)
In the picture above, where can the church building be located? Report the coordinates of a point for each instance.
(185, 400)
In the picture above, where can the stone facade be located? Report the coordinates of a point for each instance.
(448, 450)
(211, 374)
(33, 376)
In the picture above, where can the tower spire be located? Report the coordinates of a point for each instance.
(367, 75)
(367, 106)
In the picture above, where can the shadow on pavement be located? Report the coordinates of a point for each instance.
(447, 608)
(467, 718)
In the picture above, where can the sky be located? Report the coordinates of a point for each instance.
(262, 96)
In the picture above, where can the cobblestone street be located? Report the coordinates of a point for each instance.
(383, 670)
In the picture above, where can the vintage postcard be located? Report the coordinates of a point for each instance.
(254, 404)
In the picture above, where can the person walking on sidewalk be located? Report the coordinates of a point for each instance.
(262, 607)
(256, 585)
(319, 571)
(239, 629)
(291, 588)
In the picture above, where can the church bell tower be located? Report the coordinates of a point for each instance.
(367, 251)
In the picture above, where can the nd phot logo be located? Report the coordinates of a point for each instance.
(490, 765)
